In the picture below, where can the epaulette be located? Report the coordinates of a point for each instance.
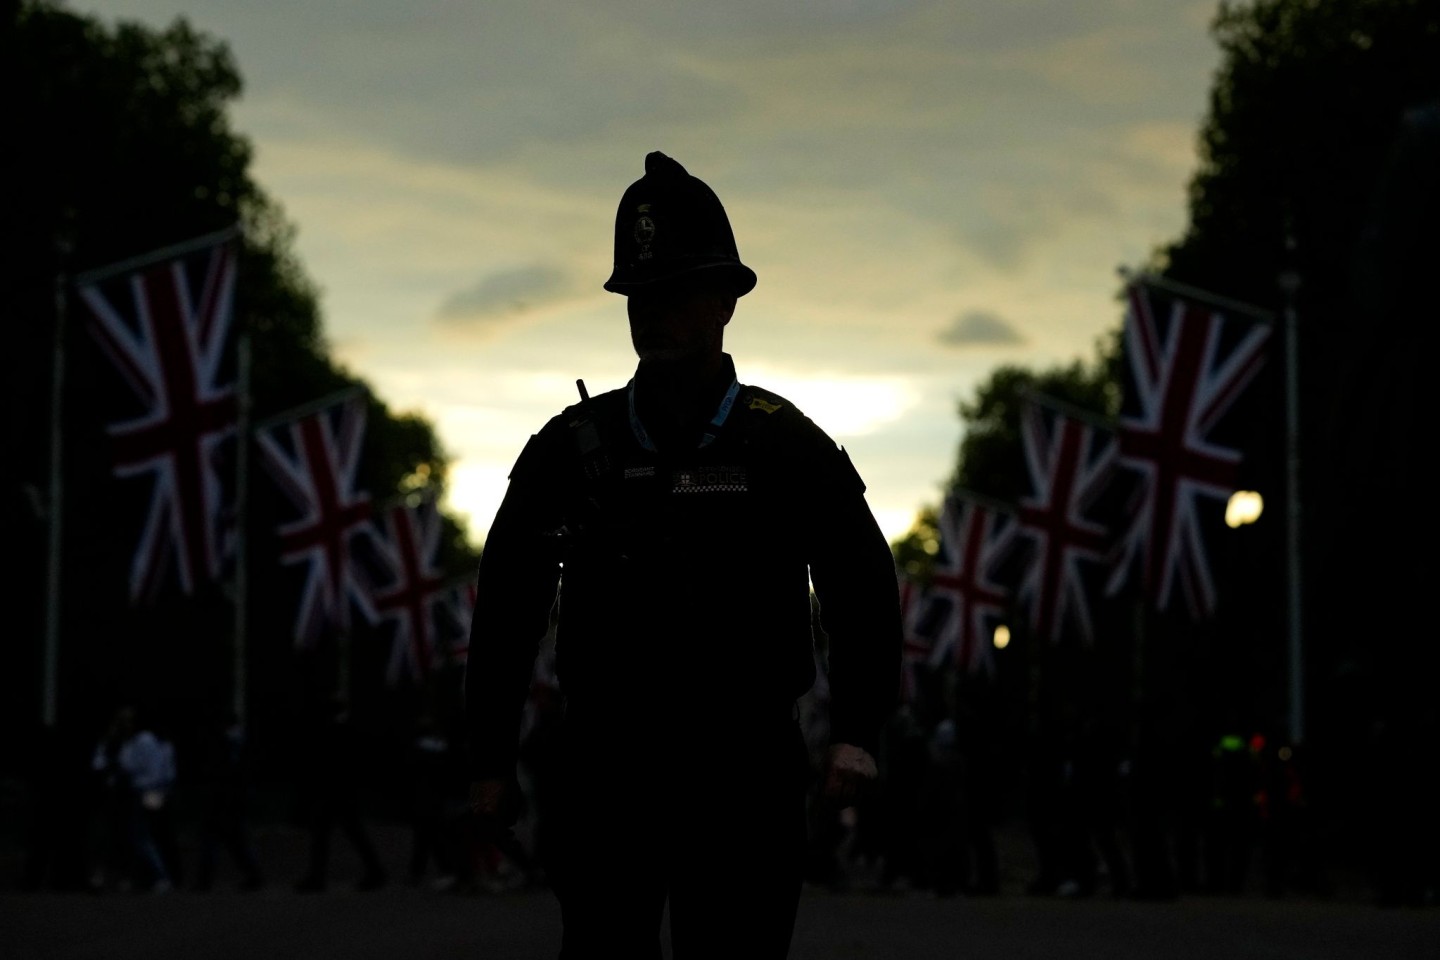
(760, 400)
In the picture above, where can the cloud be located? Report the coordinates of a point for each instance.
(844, 405)
(455, 169)
(505, 293)
(992, 120)
(980, 328)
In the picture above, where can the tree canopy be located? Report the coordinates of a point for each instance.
(1307, 101)
(1305, 111)
(118, 142)
(1317, 156)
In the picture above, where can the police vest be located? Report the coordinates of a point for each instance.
(684, 575)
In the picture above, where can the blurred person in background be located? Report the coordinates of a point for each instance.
(140, 770)
(429, 781)
(225, 799)
(330, 782)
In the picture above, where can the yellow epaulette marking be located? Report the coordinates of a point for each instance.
(757, 404)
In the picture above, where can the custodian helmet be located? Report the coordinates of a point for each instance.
(672, 225)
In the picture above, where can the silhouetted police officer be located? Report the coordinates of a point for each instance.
(689, 513)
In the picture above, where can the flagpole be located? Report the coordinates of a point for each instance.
(1289, 286)
(240, 675)
(172, 252)
(342, 667)
(50, 698)
(1187, 292)
(310, 407)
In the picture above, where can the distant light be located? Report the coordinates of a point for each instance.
(1285, 753)
(1245, 506)
(1002, 637)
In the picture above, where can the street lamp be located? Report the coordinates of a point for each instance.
(1245, 506)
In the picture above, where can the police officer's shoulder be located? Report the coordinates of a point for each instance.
(601, 408)
(542, 446)
(773, 413)
(601, 405)
(772, 418)
(555, 441)
(778, 426)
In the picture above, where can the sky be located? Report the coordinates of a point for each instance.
(925, 190)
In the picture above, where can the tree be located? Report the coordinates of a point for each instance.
(1318, 155)
(1305, 105)
(1299, 171)
(119, 141)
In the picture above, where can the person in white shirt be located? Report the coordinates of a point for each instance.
(147, 767)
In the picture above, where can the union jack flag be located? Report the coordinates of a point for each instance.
(976, 540)
(419, 599)
(165, 321)
(1187, 363)
(915, 650)
(315, 458)
(1071, 464)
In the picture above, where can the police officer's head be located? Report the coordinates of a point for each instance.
(671, 230)
(676, 262)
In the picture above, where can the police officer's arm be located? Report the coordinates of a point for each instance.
(519, 571)
(853, 573)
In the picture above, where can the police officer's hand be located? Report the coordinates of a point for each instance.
(494, 804)
(848, 771)
(487, 798)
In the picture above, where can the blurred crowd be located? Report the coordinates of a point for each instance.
(1105, 813)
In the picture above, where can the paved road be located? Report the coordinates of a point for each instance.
(409, 923)
(400, 923)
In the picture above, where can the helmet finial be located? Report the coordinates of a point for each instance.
(659, 165)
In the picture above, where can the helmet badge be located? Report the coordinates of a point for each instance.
(644, 232)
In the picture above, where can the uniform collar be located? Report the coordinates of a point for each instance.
(669, 413)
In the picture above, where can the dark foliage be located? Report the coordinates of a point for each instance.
(1318, 157)
(118, 141)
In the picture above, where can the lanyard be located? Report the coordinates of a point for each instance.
(716, 422)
